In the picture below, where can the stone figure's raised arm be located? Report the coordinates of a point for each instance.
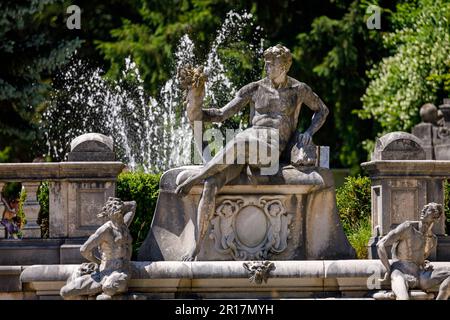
(129, 209)
(242, 98)
(313, 102)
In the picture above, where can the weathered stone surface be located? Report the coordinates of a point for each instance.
(60, 171)
(229, 279)
(445, 108)
(92, 147)
(398, 146)
(308, 228)
(401, 188)
(30, 251)
(107, 275)
(424, 131)
(275, 159)
(10, 278)
(412, 242)
(434, 130)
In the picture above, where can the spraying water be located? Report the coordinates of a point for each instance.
(150, 133)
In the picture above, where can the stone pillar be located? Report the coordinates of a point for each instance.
(89, 179)
(31, 209)
(58, 217)
(400, 189)
(2, 209)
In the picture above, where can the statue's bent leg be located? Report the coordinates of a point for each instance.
(116, 282)
(207, 204)
(399, 285)
(82, 286)
(444, 290)
(441, 278)
(224, 161)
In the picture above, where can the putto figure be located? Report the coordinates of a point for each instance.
(275, 104)
(412, 242)
(108, 274)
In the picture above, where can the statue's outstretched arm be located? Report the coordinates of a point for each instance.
(129, 209)
(242, 98)
(313, 102)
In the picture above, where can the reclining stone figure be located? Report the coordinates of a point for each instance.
(109, 274)
(412, 242)
(283, 157)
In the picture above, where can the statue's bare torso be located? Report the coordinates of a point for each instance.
(412, 245)
(115, 247)
(270, 107)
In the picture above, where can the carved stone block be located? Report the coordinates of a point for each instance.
(251, 227)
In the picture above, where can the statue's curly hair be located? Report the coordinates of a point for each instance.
(435, 207)
(112, 205)
(279, 52)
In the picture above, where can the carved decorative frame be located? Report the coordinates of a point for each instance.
(233, 217)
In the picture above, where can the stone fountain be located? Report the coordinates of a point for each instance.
(258, 220)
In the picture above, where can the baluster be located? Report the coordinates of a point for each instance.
(31, 209)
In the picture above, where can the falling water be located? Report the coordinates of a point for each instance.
(150, 133)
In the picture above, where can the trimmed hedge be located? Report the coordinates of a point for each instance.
(353, 203)
(144, 189)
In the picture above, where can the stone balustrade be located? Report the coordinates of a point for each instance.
(78, 189)
(76, 192)
(228, 279)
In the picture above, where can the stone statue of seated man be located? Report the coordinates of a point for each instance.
(107, 275)
(275, 102)
(412, 242)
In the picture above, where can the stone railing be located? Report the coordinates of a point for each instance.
(77, 190)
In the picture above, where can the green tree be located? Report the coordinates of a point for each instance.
(334, 57)
(151, 38)
(29, 54)
(417, 69)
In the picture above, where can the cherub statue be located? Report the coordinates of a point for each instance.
(412, 242)
(227, 210)
(109, 274)
(275, 210)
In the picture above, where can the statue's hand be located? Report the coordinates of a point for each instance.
(304, 138)
(386, 277)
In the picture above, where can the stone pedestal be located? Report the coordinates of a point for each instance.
(400, 189)
(75, 205)
(288, 216)
(403, 181)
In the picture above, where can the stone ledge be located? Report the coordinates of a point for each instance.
(289, 180)
(10, 279)
(429, 168)
(59, 171)
(228, 279)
